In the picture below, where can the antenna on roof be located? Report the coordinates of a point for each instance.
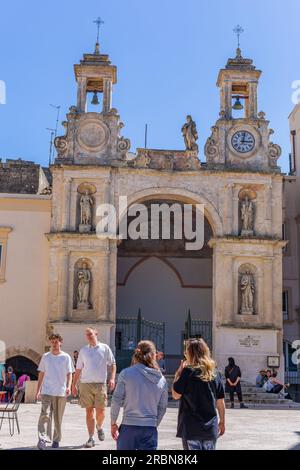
(146, 135)
(56, 125)
(52, 134)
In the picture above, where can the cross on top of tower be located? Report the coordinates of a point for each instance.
(238, 30)
(98, 22)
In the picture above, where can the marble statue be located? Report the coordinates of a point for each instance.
(247, 216)
(190, 134)
(247, 292)
(83, 289)
(86, 203)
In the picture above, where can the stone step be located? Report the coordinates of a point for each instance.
(271, 401)
(287, 404)
(253, 397)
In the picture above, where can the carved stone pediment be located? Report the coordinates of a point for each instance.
(91, 138)
(172, 160)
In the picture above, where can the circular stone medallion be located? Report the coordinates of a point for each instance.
(93, 136)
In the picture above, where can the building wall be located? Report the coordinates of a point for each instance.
(23, 294)
(291, 258)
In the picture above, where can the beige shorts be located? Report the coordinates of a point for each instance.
(92, 395)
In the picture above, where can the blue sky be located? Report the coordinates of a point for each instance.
(168, 54)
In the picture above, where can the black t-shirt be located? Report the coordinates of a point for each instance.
(197, 418)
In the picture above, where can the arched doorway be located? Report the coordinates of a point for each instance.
(23, 365)
(165, 282)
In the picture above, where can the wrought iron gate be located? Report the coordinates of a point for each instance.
(129, 331)
(196, 328)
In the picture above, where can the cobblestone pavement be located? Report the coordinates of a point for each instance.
(246, 429)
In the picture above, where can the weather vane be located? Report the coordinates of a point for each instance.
(238, 30)
(98, 22)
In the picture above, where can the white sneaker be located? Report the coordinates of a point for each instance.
(90, 443)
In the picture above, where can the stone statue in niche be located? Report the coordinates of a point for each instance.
(83, 288)
(190, 134)
(247, 217)
(86, 212)
(247, 290)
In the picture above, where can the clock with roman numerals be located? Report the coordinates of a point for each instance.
(243, 141)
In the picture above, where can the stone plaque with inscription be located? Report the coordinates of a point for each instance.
(249, 341)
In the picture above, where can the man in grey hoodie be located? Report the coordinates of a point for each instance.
(142, 390)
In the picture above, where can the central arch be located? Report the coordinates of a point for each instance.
(162, 280)
(181, 195)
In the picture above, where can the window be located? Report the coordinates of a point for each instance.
(288, 354)
(285, 305)
(4, 232)
(293, 154)
(284, 237)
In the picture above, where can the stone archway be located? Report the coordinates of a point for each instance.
(26, 352)
(23, 361)
(183, 196)
(163, 280)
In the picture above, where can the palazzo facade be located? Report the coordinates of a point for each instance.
(69, 277)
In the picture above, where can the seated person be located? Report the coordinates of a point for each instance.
(268, 385)
(260, 379)
(278, 386)
(22, 381)
(10, 383)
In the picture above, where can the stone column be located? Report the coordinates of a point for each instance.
(107, 95)
(235, 211)
(73, 206)
(53, 284)
(67, 184)
(81, 94)
(266, 303)
(228, 99)
(104, 298)
(268, 209)
(63, 285)
(252, 100)
(113, 279)
(229, 208)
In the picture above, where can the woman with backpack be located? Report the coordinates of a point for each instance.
(142, 390)
(199, 387)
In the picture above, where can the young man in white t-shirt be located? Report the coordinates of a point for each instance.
(54, 386)
(91, 368)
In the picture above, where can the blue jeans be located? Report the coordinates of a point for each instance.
(200, 444)
(137, 438)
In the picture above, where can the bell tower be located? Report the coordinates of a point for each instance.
(240, 138)
(92, 137)
(95, 74)
(238, 81)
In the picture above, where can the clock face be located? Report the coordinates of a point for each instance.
(243, 141)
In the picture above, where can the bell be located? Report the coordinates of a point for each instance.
(237, 105)
(95, 100)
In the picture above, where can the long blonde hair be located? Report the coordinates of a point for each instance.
(198, 357)
(145, 353)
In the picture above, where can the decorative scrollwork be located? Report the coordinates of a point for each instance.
(123, 144)
(61, 145)
(212, 145)
(274, 154)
